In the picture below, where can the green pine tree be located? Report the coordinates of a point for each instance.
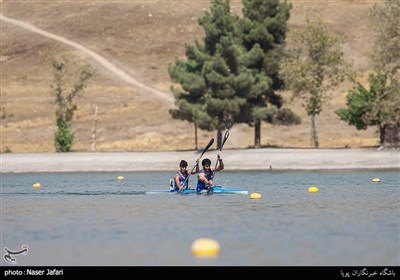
(232, 75)
(211, 91)
(263, 30)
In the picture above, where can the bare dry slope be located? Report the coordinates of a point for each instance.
(104, 62)
(139, 40)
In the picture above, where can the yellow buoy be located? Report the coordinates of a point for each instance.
(36, 185)
(313, 189)
(205, 247)
(120, 178)
(376, 180)
(255, 195)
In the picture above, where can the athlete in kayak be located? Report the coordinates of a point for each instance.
(181, 180)
(206, 175)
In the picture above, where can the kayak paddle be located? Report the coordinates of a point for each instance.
(220, 150)
(198, 160)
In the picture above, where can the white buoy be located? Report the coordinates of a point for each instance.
(120, 178)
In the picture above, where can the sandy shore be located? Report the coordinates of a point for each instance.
(248, 159)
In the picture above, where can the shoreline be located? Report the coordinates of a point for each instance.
(267, 159)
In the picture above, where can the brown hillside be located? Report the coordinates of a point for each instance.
(142, 38)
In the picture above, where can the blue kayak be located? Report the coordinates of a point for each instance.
(216, 189)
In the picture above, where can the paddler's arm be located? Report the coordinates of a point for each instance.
(178, 182)
(197, 170)
(220, 164)
(203, 179)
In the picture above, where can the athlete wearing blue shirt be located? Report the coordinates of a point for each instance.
(206, 175)
(180, 181)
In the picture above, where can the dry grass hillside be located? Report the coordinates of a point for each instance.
(142, 38)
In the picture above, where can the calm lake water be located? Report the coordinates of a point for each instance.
(84, 219)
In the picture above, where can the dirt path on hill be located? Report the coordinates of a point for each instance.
(104, 62)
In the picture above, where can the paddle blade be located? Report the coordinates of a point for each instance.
(224, 140)
(207, 147)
